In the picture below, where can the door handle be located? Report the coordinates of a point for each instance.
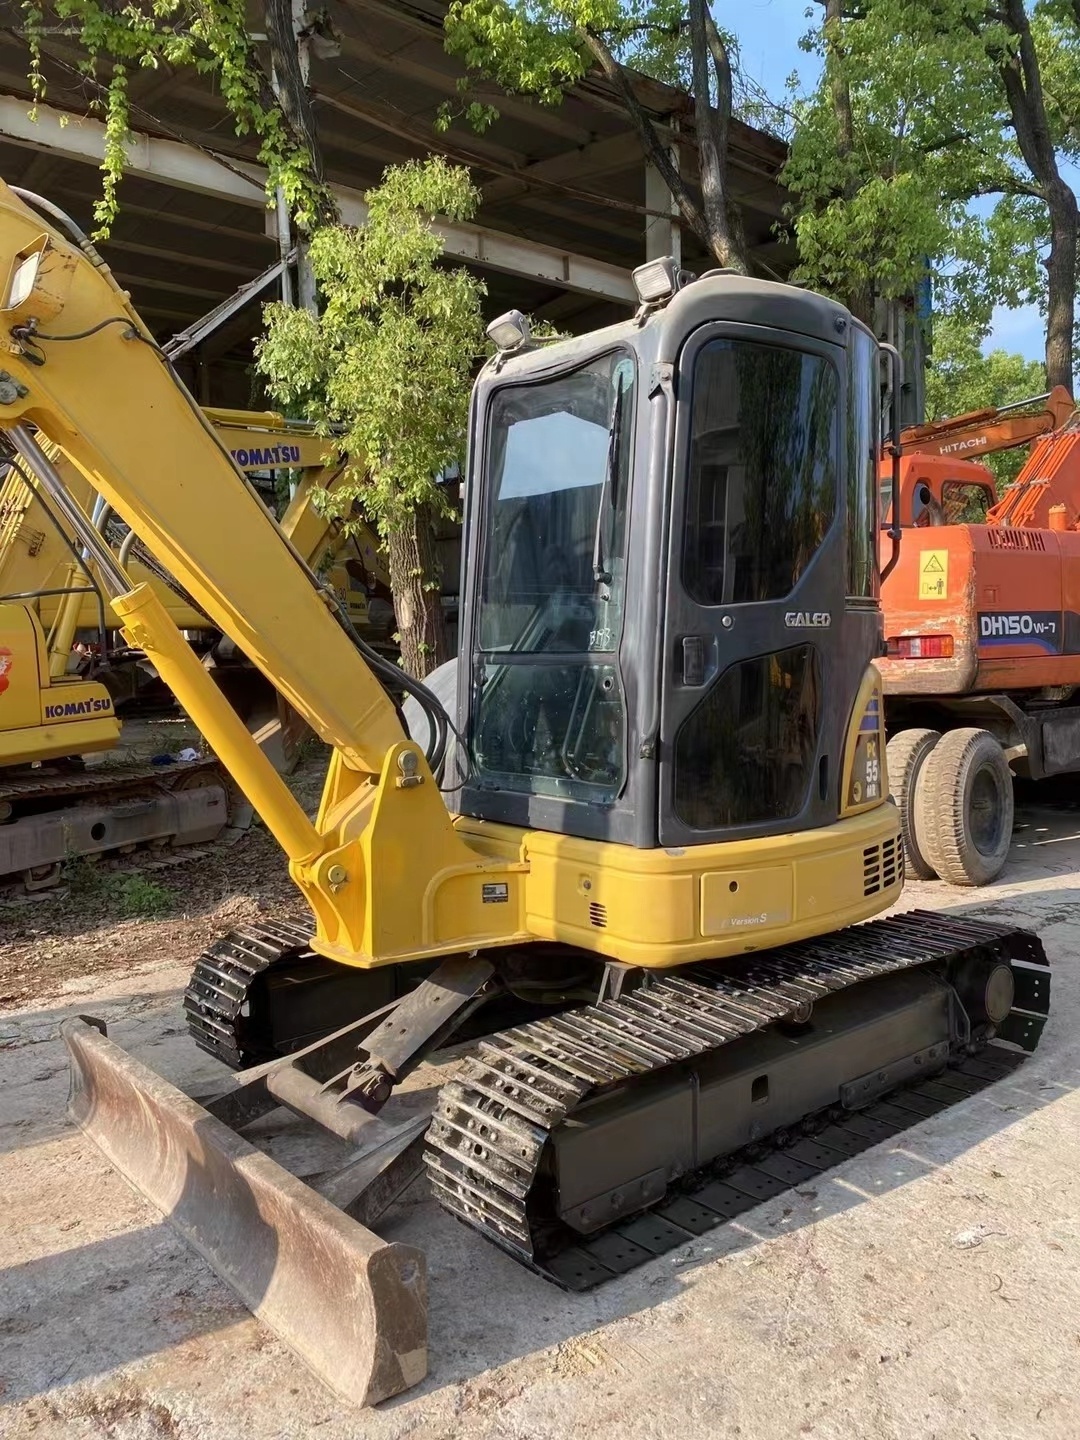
(693, 660)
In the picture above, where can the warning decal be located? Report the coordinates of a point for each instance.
(933, 574)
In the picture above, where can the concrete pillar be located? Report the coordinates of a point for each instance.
(301, 293)
(662, 236)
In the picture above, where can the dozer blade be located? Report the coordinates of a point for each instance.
(353, 1307)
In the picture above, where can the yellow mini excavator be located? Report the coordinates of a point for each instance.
(669, 810)
(70, 681)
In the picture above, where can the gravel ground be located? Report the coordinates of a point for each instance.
(928, 1288)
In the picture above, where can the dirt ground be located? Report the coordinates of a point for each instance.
(96, 921)
(928, 1288)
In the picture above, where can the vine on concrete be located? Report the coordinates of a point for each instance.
(208, 36)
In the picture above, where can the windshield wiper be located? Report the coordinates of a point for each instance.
(601, 574)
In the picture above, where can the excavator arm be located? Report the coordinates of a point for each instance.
(82, 372)
(40, 563)
(984, 432)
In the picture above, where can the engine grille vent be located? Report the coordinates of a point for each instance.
(598, 915)
(1006, 538)
(883, 865)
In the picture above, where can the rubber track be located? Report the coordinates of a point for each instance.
(224, 974)
(491, 1124)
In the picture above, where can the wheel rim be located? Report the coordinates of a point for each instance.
(986, 811)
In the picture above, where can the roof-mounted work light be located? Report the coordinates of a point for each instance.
(656, 280)
(509, 331)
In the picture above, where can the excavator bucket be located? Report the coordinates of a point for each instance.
(353, 1307)
(280, 732)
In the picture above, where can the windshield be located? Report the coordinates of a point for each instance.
(556, 500)
(550, 715)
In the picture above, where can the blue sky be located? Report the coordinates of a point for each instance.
(769, 33)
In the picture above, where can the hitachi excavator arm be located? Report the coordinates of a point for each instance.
(984, 432)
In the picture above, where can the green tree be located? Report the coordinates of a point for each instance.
(541, 48)
(962, 378)
(390, 360)
(923, 107)
(212, 37)
(876, 181)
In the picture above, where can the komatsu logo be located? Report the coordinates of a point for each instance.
(72, 708)
(266, 459)
(807, 619)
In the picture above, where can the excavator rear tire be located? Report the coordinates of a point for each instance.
(964, 807)
(905, 756)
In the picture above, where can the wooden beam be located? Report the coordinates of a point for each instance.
(131, 281)
(176, 217)
(420, 132)
(543, 118)
(427, 140)
(195, 261)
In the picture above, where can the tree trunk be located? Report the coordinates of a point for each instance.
(711, 222)
(415, 583)
(294, 100)
(860, 298)
(1021, 78)
(1061, 287)
(712, 123)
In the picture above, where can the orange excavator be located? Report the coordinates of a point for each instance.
(982, 626)
(933, 490)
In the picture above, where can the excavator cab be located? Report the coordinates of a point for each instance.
(938, 490)
(672, 530)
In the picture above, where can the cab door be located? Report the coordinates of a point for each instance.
(760, 664)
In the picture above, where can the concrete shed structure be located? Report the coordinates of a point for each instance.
(570, 204)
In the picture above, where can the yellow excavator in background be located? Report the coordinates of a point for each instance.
(668, 793)
(69, 681)
(39, 559)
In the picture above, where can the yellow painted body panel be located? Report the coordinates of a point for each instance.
(40, 720)
(864, 775)
(660, 908)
